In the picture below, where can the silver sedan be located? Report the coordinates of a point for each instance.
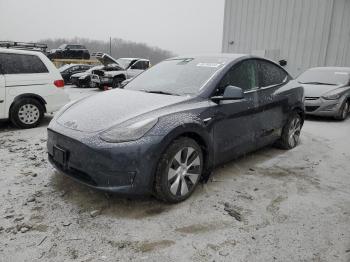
(327, 91)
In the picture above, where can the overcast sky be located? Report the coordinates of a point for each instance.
(181, 26)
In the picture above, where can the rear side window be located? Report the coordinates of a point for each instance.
(244, 76)
(21, 64)
(271, 74)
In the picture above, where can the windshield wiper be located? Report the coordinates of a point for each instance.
(160, 92)
(317, 83)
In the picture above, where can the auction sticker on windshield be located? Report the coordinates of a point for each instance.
(215, 65)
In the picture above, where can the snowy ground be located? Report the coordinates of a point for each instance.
(272, 205)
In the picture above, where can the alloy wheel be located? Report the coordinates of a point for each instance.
(294, 132)
(345, 110)
(28, 114)
(184, 171)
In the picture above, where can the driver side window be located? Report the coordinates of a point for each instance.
(244, 76)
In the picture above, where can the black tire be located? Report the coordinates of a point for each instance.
(343, 112)
(286, 141)
(117, 82)
(163, 185)
(86, 56)
(31, 117)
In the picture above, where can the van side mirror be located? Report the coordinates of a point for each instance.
(230, 93)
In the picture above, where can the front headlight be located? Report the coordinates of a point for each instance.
(332, 96)
(129, 131)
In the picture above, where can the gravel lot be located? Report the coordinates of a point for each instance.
(271, 205)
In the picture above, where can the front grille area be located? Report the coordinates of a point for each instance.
(80, 175)
(311, 108)
(311, 98)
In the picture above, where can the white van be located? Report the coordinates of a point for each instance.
(30, 86)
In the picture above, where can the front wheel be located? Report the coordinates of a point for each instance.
(179, 171)
(117, 82)
(291, 132)
(344, 111)
(27, 113)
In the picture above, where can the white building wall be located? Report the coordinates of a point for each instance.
(306, 33)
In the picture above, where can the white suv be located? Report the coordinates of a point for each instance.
(30, 85)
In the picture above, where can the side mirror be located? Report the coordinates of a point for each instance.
(230, 93)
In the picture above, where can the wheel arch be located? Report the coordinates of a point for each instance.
(195, 132)
(120, 75)
(28, 95)
(300, 110)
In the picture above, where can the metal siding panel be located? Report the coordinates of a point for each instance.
(315, 45)
(338, 45)
(243, 28)
(256, 29)
(301, 29)
(227, 24)
(249, 25)
(347, 38)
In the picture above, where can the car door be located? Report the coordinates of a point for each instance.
(2, 95)
(137, 68)
(234, 128)
(273, 102)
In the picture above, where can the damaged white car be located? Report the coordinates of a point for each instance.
(123, 68)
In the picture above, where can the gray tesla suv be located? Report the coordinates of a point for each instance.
(327, 91)
(170, 126)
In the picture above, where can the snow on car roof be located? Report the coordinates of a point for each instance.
(18, 51)
(228, 57)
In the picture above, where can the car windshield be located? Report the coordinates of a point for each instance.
(94, 68)
(64, 67)
(324, 77)
(124, 62)
(183, 76)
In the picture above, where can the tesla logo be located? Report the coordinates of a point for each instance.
(71, 124)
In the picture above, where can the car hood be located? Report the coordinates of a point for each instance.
(110, 108)
(107, 60)
(317, 90)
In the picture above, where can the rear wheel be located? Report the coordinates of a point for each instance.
(27, 113)
(291, 132)
(344, 111)
(179, 171)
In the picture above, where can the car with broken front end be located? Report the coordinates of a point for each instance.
(170, 126)
(120, 70)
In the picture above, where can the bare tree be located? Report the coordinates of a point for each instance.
(120, 48)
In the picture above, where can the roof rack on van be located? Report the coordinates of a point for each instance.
(24, 45)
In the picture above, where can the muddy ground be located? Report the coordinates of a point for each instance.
(271, 205)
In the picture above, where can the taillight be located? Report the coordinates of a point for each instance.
(59, 83)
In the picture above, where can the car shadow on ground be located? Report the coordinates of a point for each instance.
(7, 126)
(112, 205)
(324, 119)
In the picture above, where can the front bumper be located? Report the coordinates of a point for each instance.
(322, 107)
(102, 80)
(124, 168)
